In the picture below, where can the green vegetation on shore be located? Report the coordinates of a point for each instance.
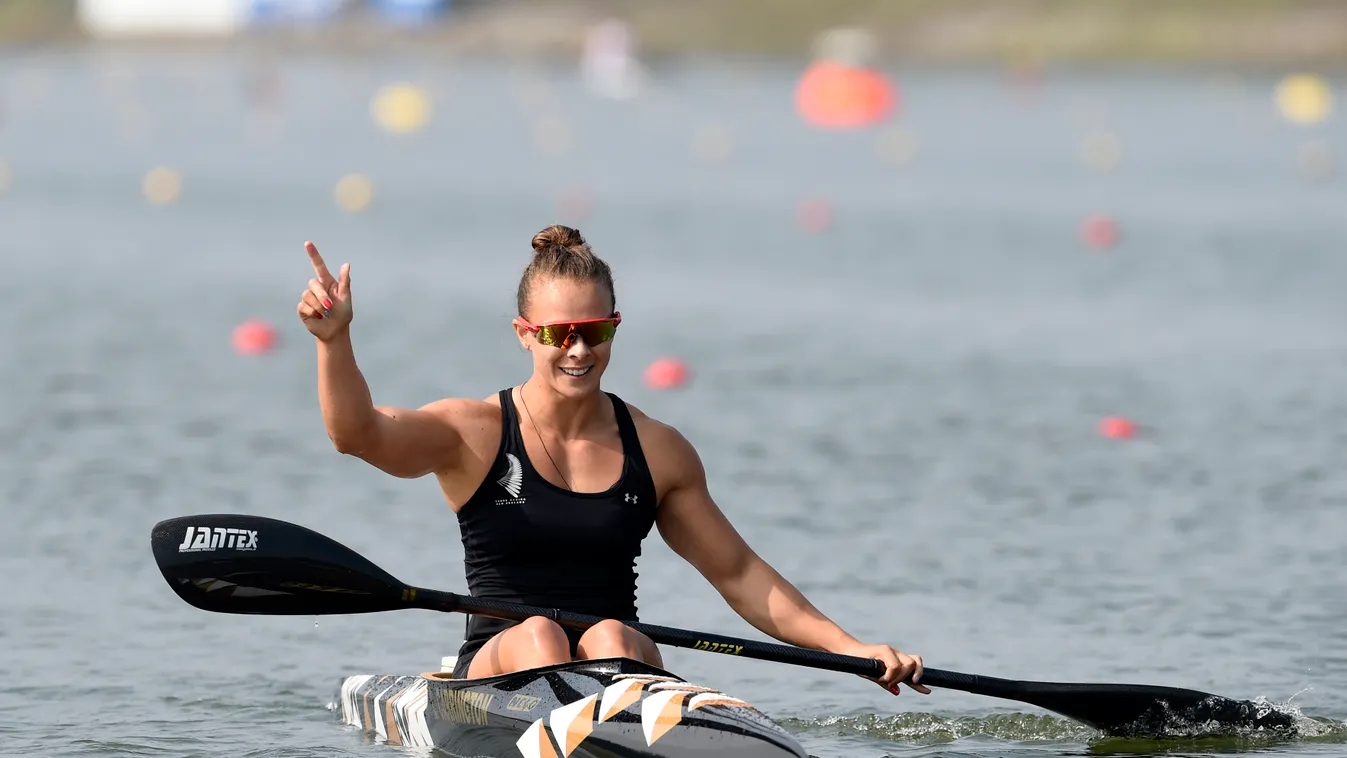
(1255, 31)
(1175, 31)
(36, 20)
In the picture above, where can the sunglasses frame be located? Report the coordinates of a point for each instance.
(616, 319)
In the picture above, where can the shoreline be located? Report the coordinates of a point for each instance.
(1186, 33)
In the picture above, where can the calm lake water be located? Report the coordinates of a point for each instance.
(900, 412)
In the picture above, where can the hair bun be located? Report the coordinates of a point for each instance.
(557, 236)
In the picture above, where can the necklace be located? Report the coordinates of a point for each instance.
(536, 431)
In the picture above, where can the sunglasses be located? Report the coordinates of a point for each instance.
(562, 334)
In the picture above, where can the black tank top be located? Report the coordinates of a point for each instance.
(526, 540)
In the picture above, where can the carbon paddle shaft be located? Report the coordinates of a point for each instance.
(232, 563)
(664, 635)
(1118, 709)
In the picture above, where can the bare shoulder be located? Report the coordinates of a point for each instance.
(476, 422)
(655, 432)
(460, 409)
(672, 458)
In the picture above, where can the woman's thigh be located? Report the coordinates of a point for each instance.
(535, 642)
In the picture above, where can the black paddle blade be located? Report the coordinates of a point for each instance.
(1127, 710)
(250, 564)
(1136, 710)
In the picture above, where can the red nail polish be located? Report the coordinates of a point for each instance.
(327, 304)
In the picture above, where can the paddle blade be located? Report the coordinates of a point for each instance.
(250, 564)
(1135, 710)
(1127, 710)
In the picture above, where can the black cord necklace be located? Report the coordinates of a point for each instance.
(538, 432)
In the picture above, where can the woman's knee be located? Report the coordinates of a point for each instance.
(534, 642)
(613, 639)
(542, 630)
(609, 633)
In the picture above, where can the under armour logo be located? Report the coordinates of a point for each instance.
(629, 498)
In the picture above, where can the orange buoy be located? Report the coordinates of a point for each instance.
(575, 203)
(262, 89)
(254, 338)
(814, 215)
(832, 95)
(1024, 79)
(667, 374)
(1100, 231)
(1117, 428)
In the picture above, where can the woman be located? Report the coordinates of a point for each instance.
(554, 502)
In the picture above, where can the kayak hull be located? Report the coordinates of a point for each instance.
(607, 708)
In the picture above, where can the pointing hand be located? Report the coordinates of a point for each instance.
(325, 305)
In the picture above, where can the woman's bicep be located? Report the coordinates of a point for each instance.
(412, 443)
(694, 526)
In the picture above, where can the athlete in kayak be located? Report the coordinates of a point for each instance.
(556, 483)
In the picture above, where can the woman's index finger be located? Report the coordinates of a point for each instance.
(319, 267)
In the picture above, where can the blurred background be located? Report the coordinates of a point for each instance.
(1011, 331)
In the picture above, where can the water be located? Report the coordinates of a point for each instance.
(899, 413)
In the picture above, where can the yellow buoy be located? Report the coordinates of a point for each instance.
(1304, 98)
(551, 136)
(162, 186)
(353, 193)
(1101, 151)
(897, 146)
(136, 125)
(401, 108)
(1317, 160)
(262, 129)
(532, 92)
(712, 144)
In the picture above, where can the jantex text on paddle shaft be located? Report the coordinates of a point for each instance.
(718, 647)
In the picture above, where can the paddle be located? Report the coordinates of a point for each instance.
(256, 565)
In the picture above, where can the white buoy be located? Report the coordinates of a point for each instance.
(162, 186)
(353, 193)
(135, 18)
(609, 63)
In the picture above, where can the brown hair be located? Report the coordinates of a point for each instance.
(560, 251)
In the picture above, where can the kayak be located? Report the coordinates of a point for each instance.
(603, 708)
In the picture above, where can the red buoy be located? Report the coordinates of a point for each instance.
(254, 338)
(814, 215)
(831, 95)
(1117, 428)
(667, 374)
(1100, 231)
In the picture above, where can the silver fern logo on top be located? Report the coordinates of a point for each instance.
(513, 480)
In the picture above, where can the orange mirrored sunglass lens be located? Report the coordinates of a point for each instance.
(563, 335)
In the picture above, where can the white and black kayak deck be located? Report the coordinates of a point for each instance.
(606, 708)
